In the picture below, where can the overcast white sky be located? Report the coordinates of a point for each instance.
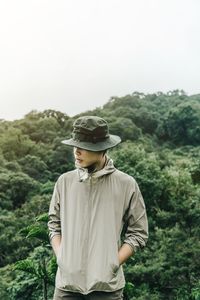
(73, 55)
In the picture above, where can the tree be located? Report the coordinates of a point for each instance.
(128, 130)
(16, 188)
(34, 167)
(160, 149)
(182, 125)
(15, 145)
(40, 266)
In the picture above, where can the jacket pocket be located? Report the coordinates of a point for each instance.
(114, 269)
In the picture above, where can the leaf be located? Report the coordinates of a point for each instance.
(44, 218)
(38, 232)
(26, 265)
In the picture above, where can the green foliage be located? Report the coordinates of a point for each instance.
(40, 266)
(11, 243)
(128, 130)
(18, 187)
(14, 144)
(6, 276)
(196, 291)
(32, 276)
(160, 149)
(12, 224)
(34, 167)
(182, 124)
(43, 218)
(37, 231)
(26, 265)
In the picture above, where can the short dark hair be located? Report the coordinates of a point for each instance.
(104, 152)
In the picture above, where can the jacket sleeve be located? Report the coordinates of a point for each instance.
(54, 225)
(136, 233)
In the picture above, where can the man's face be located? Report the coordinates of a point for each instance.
(85, 158)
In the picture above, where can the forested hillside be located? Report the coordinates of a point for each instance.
(160, 149)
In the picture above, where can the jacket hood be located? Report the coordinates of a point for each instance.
(107, 169)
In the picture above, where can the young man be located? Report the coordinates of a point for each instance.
(89, 208)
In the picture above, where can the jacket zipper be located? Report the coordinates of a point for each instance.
(88, 226)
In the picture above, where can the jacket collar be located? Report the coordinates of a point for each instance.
(107, 169)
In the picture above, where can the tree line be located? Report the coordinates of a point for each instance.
(160, 148)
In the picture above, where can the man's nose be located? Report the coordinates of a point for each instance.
(77, 150)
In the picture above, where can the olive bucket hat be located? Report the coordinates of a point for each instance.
(92, 133)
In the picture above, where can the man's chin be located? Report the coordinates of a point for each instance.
(81, 165)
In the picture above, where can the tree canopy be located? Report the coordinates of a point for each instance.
(160, 148)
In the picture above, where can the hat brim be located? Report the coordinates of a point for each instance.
(110, 142)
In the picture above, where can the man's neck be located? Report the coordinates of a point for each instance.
(98, 165)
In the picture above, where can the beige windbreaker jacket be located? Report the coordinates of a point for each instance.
(89, 211)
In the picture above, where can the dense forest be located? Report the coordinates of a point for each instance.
(160, 148)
